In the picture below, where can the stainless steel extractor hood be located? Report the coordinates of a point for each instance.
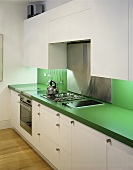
(79, 77)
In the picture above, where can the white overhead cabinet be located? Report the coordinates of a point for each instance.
(72, 27)
(107, 23)
(119, 155)
(37, 52)
(109, 43)
(131, 40)
(74, 24)
(35, 41)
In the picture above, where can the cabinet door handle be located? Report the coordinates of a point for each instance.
(38, 105)
(58, 124)
(58, 114)
(38, 134)
(57, 149)
(72, 122)
(108, 141)
(38, 114)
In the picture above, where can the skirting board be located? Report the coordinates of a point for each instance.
(5, 124)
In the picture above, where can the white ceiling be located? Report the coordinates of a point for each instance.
(22, 1)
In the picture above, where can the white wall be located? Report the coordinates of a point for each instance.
(11, 26)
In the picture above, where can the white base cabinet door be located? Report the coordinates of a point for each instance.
(15, 116)
(119, 155)
(88, 148)
(65, 137)
(109, 43)
(65, 160)
(54, 154)
(52, 135)
(40, 124)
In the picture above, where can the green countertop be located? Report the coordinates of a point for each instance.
(113, 121)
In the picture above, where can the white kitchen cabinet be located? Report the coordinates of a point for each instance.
(61, 30)
(109, 43)
(60, 134)
(76, 26)
(60, 130)
(130, 40)
(37, 52)
(40, 122)
(54, 130)
(35, 41)
(54, 154)
(15, 114)
(65, 160)
(72, 22)
(119, 155)
(71, 145)
(65, 137)
(88, 148)
(69, 8)
(51, 136)
(40, 128)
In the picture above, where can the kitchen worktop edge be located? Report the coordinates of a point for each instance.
(70, 113)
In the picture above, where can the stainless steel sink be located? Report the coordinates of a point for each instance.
(82, 103)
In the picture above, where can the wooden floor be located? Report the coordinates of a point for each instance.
(16, 154)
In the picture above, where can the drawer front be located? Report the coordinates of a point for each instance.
(65, 120)
(54, 114)
(36, 105)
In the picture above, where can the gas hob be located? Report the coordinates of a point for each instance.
(64, 96)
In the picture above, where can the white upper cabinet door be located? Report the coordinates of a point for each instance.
(59, 30)
(80, 25)
(109, 45)
(88, 148)
(36, 41)
(37, 52)
(69, 8)
(131, 40)
(74, 25)
(119, 155)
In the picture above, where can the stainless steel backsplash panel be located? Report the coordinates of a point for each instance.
(79, 79)
(99, 88)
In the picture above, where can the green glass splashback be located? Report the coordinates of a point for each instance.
(59, 76)
(122, 91)
(122, 94)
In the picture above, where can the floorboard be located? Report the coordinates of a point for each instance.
(16, 154)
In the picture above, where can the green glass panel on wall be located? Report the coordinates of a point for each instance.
(57, 75)
(122, 94)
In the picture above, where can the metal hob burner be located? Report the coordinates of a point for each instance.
(64, 96)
